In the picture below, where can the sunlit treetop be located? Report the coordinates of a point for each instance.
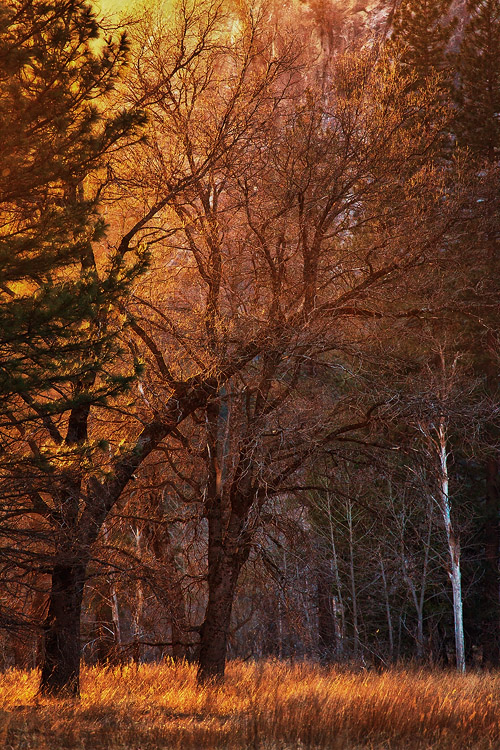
(55, 75)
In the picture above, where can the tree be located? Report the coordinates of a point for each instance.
(53, 136)
(281, 226)
(478, 90)
(55, 349)
(294, 242)
(435, 432)
(61, 495)
(422, 29)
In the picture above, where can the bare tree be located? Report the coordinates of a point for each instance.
(282, 219)
(284, 249)
(436, 440)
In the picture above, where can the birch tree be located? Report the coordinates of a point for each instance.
(435, 434)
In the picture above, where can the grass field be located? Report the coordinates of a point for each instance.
(267, 705)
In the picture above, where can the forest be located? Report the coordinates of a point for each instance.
(249, 340)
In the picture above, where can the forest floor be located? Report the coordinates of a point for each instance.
(262, 706)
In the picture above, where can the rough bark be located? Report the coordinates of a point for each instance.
(228, 549)
(61, 659)
(215, 629)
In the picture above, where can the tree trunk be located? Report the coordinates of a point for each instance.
(456, 584)
(354, 598)
(227, 551)
(215, 629)
(61, 657)
(114, 605)
(454, 550)
(418, 597)
(139, 602)
(337, 600)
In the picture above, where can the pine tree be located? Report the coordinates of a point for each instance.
(58, 342)
(53, 134)
(478, 90)
(422, 29)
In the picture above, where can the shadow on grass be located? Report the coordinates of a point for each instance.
(262, 706)
(105, 728)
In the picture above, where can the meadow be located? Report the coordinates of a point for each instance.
(267, 706)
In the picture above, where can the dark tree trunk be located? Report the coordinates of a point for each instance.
(228, 546)
(215, 629)
(61, 657)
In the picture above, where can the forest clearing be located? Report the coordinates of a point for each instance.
(270, 705)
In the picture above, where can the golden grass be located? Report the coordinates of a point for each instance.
(267, 706)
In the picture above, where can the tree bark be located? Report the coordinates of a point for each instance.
(61, 658)
(454, 550)
(338, 608)
(354, 598)
(215, 629)
(228, 550)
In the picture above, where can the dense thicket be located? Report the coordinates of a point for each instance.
(307, 455)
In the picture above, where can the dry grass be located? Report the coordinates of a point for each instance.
(268, 706)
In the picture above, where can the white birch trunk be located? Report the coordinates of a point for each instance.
(453, 548)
